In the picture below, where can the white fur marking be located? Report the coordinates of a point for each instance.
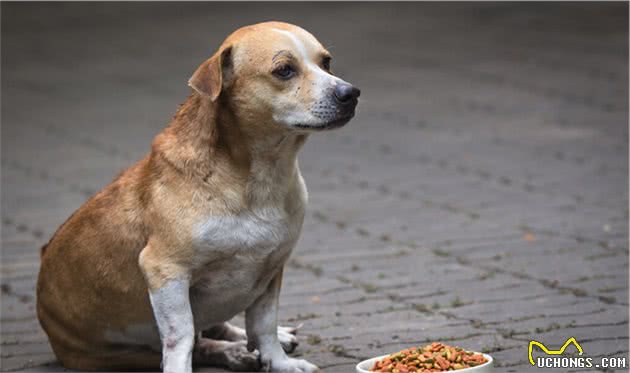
(263, 229)
(171, 307)
(322, 76)
(296, 41)
(261, 322)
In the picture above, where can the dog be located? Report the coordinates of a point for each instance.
(150, 269)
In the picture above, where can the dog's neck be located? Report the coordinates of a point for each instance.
(201, 139)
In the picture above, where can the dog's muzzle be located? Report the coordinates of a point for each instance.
(336, 109)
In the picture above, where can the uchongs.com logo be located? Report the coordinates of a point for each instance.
(558, 359)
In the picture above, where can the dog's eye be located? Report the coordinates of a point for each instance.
(326, 63)
(284, 72)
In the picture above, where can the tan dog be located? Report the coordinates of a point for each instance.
(200, 229)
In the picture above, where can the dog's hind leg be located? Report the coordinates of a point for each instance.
(225, 332)
(228, 332)
(230, 354)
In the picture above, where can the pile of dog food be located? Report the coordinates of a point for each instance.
(436, 357)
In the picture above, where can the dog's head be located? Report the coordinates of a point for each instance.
(277, 74)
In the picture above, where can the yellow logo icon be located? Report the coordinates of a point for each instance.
(553, 352)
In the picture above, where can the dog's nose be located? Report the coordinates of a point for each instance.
(345, 93)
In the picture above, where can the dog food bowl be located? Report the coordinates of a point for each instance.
(366, 365)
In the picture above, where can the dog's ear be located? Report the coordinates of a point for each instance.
(209, 78)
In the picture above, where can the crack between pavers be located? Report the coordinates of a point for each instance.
(406, 121)
(29, 364)
(12, 320)
(22, 342)
(540, 316)
(44, 176)
(315, 292)
(514, 84)
(85, 141)
(37, 233)
(338, 365)
(550, 284)
(622, 338)
(511, 333)
(430, 339)
(580, 239)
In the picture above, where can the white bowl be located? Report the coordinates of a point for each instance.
(365, 365)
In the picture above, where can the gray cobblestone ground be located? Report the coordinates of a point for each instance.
(480, 197)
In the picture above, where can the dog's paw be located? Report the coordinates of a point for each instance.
(287, 338)
(238, 358)
(288, 365)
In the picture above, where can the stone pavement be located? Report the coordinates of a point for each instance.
(480, 197)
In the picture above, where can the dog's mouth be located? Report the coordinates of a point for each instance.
(337, 123)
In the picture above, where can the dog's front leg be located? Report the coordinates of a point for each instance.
(261, 322)
(169, 289)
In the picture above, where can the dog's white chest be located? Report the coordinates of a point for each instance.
(243, 254)
(247, 232)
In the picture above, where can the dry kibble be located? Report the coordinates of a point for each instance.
(436, 357)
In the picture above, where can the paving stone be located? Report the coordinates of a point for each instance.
(479, 197)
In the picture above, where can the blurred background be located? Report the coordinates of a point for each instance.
(479, 197)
